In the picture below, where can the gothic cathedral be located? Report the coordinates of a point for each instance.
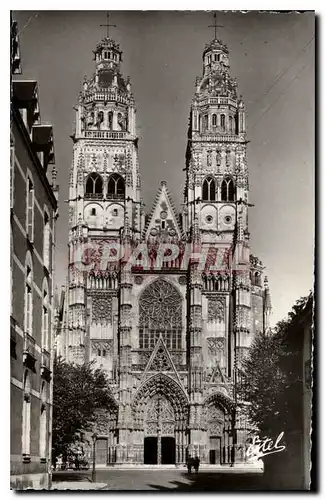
(168, 328)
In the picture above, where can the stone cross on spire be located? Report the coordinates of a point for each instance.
(215, 25)
(108, 26)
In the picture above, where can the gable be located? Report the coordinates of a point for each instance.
(160, 361)
(217, 377)
(163, 221)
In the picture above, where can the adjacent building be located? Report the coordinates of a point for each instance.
(299, 339)
(33, 212)
(171, 323)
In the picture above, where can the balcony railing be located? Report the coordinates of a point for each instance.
(94, 196)
(212, 137)
(29, 345)
(29, 353)
(45, 365)
(106, 96)
(45, 358)
(218, 101)
(111, 196)
(100, 196)
(105, 134)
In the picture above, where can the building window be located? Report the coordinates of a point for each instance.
(43, 423)
(110, 120)
(93, 211)
(163, 224)
(115, 212)
(98, 353)
(205, 122)
(94, 184)
(46, 241)
(214, 120)
(227, 190)
(30, 210)
(209, 189)
(26, 415)
(231, 123)
(116, 186)
(45, 321)
(223, 121)
(104, 353)
(45, 316)
(28, 320)
(257, 279)
(160, 315)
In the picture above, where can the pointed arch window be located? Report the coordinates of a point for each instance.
(228, 190)
(94, 186)
(223, 121)
(160, 314)
(209, 189)
(116, 186)
(214, 120)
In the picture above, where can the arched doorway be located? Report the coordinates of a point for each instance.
(160, 412)
(159, 429)
(218, 416)
(105, 426)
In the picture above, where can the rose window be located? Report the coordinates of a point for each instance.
(160, 311)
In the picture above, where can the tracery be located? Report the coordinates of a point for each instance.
(160, 311)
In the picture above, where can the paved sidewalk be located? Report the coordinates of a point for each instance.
(78, 485)
(255, 468)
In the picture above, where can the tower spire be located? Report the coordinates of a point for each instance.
(107, 25)
(215, 25)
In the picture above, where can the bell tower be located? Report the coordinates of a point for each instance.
(216, 189)
(215, 218)
(216, 169)
(104, 200)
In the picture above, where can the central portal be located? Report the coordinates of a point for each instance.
(159, 450)
(159, 443)
(167, 450)
(150, 450)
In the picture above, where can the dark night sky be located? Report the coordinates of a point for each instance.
(272, 55)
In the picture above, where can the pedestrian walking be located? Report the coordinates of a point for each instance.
(189, 464)
(196, 464)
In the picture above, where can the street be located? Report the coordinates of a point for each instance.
(164, 480)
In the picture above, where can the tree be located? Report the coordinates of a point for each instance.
(269, 378)
(79, 392)
(263, 382)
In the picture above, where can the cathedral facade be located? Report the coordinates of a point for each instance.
(166, 303)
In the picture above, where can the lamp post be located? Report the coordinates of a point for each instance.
(93, 474)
